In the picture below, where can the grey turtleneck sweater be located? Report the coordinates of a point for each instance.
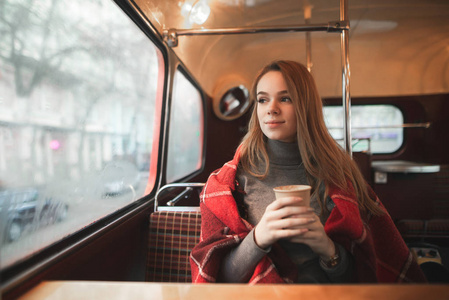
(286, 168)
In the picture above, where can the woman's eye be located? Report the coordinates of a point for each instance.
(286, 99)
(261, 100)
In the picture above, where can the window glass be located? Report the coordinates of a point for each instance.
(186, 129)
(78, 83)
(376, 128)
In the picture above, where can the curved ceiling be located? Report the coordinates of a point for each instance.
(396, 47)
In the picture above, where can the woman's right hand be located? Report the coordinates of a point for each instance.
(280, 221)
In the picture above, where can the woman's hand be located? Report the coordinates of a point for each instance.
(286, 219)
(283, 218)
(316, 238)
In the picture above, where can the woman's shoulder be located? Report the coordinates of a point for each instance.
(226, 174)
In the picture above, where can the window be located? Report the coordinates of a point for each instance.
(377, 128)
(186, 129)
(79, 84)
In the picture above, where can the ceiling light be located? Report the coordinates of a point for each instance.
(196, 12)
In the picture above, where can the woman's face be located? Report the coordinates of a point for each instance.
(275, 109)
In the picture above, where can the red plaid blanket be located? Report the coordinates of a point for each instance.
(380, 253)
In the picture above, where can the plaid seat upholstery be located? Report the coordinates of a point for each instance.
(411, 228)
(436, 228)
(173, 234)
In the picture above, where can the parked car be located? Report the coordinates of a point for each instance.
(25, 209)
(118, 177)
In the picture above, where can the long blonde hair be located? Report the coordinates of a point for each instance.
(324, 160)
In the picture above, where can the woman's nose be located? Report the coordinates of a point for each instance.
(273, 108)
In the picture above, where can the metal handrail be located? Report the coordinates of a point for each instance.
(405, 125)
(188, 185)
(342, 26)
(171, 35)
(345, 77)
(355, 141)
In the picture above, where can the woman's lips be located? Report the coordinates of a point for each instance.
(273, 124)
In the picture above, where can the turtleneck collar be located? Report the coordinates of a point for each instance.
(281, 153)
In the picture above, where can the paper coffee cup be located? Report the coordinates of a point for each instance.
(302, 191)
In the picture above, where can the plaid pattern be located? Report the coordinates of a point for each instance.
(437, 228)
(172, 237)
(379, 252)
(411, 228)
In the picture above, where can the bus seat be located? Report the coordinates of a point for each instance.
(173, 234)
(174, 231)
(438, 228)
(428, 195)
(411, 228)
(434, 228)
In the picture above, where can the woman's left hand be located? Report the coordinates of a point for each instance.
(316, 238)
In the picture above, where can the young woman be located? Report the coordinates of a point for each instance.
(247, 236)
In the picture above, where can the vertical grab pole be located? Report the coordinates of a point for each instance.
(345, 78)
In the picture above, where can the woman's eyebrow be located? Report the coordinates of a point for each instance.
(284, 92)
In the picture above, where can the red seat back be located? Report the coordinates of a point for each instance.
(173, 234)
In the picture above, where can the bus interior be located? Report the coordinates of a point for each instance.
(114, 113)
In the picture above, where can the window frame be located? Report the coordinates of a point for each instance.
(20, 272)
(181, 68)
